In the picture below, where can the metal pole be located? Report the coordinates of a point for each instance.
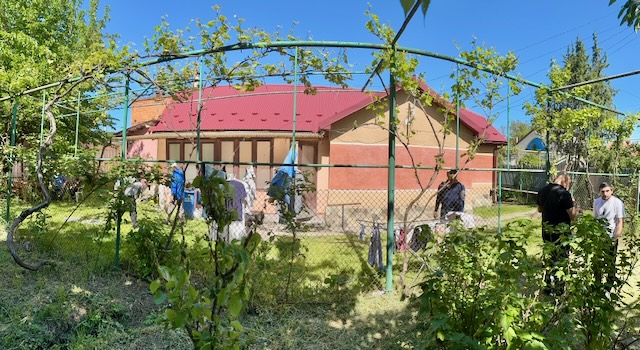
(44, 102)
(295, 43)
(75, 149)
(292, 201)
(392, 175)
(200, 74)
(125, 119)
(499, 201)
(295, 101)
(508, 126)
(547, 145)
(637, 206)
(407, 19)
(457, 115)
(14, 117)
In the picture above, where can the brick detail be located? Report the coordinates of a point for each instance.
(147, 109)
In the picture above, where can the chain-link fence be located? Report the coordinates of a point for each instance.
(342, 233)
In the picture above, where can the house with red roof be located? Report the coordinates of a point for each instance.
(334, 127)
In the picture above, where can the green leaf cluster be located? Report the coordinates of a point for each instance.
(486, 290)
(629, 14)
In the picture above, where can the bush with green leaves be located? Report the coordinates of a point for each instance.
(487, 291)
(209, 310)
(145, 248)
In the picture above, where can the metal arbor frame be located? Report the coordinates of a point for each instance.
(315, 44)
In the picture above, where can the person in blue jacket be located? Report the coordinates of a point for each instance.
(177, 182)
(177, 187)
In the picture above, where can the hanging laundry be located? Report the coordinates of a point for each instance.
(420, 236)
(237, 228)
(401, 240)
(240, 196)
(375, 248)
(362, 228)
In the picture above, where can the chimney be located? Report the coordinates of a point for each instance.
(196, 80)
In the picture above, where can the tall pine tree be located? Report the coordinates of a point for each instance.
(576, 129)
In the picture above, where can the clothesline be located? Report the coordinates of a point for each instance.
(413, 222)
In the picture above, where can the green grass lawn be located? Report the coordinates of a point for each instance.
(490, 211)
(337, 299)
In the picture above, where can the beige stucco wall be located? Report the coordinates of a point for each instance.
(418, 131)
(359, 139)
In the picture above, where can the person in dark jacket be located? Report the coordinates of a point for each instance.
(557, 206)
(450, 197)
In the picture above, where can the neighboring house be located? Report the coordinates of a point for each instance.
(145, 113)
(530, 145)
(534, 144)
(332, 127)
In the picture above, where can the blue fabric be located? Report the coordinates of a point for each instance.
(208, 171)
(58, 182)
(281, 180)
(177, 184)
(289, 159)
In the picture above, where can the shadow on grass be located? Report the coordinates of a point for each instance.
(375, 322)
(84, 301)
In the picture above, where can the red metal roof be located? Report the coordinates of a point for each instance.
(270, 108)
(267, 108)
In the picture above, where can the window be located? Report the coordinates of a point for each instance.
(228, 151)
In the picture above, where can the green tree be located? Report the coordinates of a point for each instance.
(58, 43)
(629, 13)
(517, 130)
(574, 127)
(44, 42)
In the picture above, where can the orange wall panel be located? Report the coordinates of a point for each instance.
(372, 178)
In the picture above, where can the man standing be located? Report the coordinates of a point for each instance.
(611, 209)
(133, 191)
(557, 207)
(450, 197)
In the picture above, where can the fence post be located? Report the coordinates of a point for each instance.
(637, 206)
(499, 201)
(116, 259)
(391, 179)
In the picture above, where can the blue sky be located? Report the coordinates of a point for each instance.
(536, 31)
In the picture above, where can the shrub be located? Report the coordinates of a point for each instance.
(486, 292)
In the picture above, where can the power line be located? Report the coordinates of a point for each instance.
(623, 45)
(565, 32)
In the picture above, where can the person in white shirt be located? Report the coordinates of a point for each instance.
(133, 190)
(611, 209)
